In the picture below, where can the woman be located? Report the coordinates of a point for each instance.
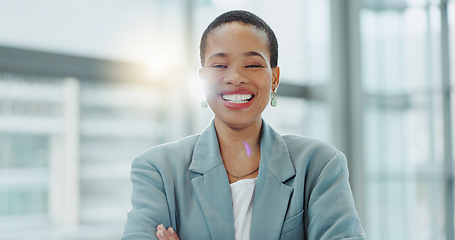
(239, 179)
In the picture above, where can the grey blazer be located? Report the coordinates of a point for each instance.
(302, 191)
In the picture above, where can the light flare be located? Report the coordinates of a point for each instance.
(196, 87)
(248, 149)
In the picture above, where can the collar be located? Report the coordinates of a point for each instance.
(275, 158)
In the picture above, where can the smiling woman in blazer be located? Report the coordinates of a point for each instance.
(240, 179)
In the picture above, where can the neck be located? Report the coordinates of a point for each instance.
(236, 139)
(240, 148)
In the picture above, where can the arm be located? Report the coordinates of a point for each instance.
(331, 209)
(149, 203)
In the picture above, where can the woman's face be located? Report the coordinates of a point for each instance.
(237, 74)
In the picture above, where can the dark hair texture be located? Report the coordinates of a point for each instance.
(246, 18)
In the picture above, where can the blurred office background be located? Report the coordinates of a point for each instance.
(87, 85)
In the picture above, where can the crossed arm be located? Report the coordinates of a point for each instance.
(166, 234)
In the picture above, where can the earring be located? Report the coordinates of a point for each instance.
(273, 101)
(204, 103)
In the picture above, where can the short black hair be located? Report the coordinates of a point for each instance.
(246, 18)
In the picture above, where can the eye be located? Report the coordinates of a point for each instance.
(218, 66)
(253, 66)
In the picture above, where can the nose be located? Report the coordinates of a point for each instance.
(234, 76)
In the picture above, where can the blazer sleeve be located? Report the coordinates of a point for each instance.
(331, 208)
(149, 202)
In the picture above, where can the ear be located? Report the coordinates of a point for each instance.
(275, 77)
(201, 72)
(203, 79)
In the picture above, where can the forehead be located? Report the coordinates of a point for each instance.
(237, 26)
(237, 35)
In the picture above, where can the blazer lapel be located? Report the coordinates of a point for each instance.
(211, 185)
(271, 195)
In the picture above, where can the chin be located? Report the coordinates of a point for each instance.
(236, 122)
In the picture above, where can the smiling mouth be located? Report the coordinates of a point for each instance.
(237, 98)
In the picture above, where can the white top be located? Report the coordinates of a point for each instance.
(242, 201)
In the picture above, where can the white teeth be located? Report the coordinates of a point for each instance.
(237, 98)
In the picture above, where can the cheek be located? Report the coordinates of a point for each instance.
(208, 83)
(265, 83)
(211, 90)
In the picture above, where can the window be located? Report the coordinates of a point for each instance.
(404, 115)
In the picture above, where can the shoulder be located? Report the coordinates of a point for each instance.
(313, 153)
(308, 145)
(169, 153)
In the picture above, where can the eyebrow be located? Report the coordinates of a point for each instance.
(247, 54)
(217, 55)
(252, 53)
